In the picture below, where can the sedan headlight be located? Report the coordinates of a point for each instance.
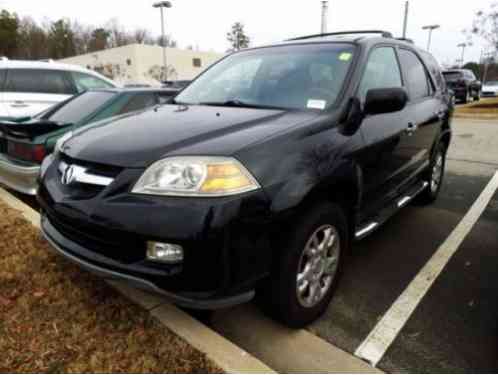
(196, 176)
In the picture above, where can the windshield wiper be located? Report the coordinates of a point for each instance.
(240, 104)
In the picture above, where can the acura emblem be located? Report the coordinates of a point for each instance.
(68, 175)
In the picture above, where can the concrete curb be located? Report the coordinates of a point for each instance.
(229, 357)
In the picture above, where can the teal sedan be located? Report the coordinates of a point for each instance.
(24, 142)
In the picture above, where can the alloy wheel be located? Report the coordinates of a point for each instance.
(318, 266)
(437, 172)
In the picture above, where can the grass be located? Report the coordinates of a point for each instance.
(484, 108)
(55, 318)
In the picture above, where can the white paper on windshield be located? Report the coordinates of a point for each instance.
(317, 104)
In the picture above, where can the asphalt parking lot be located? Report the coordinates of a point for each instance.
(454, 327)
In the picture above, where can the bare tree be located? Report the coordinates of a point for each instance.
(486, 26)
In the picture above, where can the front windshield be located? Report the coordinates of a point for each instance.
(80, 107)
(291, 77)
(492, 83)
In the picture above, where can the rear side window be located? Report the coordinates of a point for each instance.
(382, 71)
(416, 76)
(37, 81)
(85, 81)
(435, 70)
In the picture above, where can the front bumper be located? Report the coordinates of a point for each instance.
(69, 249)
(19, 177)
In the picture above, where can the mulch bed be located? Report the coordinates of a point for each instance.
(56, 318)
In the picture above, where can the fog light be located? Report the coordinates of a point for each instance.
(164, 252)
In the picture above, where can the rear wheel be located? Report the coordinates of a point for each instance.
(306, 275)
(477, 97)
(434, 176)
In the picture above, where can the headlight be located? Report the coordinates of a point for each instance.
(60, 142)
(196, 176)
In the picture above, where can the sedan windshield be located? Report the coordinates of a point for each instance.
(290, 77)
(492, 83)
(78, 108)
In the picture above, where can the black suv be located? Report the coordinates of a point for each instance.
(258, 177)
(464, 84)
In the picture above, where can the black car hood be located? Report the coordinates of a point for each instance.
(139, 139)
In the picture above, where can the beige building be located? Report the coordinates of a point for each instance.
(143, 64)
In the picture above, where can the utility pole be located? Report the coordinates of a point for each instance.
(431, 28)
(463, 46)
(405, 21)
(325, 11)
(161, 5)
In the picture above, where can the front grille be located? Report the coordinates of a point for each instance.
(80, 191)
(117, 246)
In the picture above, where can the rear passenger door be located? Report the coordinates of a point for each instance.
(31, 91)
(425, 108)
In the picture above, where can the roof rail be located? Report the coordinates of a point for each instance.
(408, 40)
(384, 34)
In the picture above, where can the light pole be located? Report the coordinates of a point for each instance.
(463, 46)
(405, 19)
(431, 28)
(325, 9)
(161, 5)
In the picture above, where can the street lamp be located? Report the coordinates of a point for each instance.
(463, 46)
(161, 5)
(431, 28)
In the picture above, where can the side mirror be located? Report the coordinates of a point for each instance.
(385, 100)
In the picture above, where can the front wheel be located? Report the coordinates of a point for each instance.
(306, 274)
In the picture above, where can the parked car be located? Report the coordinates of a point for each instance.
(262, 185)
(29, 87)
(490, 89)
(464, 84)
(25, 142)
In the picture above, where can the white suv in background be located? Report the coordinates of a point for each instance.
(30, 87)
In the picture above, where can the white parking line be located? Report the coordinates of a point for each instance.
(382, 336)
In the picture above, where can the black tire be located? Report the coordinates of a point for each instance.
(280, 295)
(477, 97)
(467, 98)
(430, 193)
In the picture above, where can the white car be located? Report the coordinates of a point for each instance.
(490, 89)
(30, 87)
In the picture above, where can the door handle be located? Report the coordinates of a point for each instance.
(19, 104)
(411, 128)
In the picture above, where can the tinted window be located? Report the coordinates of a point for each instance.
(138, 101)
(471, 75)
(417, 82)
(283, 77)
(165, 97)
(435, 70)
(37, 81)
(126, 103)
(2, 79)
(452, 76)
(85, 81)
(80, 107)
(382, 71)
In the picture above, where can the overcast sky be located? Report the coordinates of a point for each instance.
(204, 23)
